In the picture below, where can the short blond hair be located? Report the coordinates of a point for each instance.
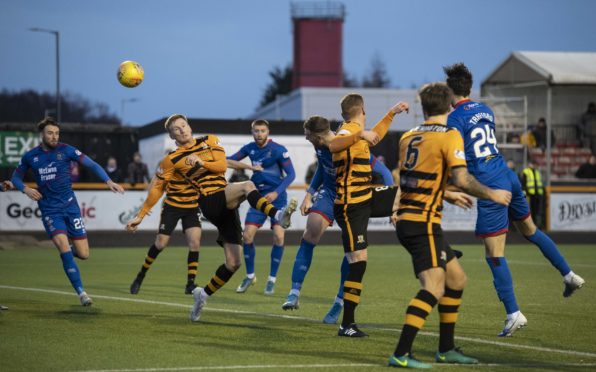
(171, 119)
(351, 105)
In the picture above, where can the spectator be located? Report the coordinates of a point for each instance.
(587, 128)
(511, 165)
(587, 170)
(540, 134)
(528, 138)
(310, 172)
(137, 170)
(531, 181)
(239, 175)
(112, 170)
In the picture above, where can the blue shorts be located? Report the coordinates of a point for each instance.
(493, 218)
(68, 221)
(257, 218)
(323, 204)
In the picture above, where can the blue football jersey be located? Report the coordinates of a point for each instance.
(275, 160)
(52, 175)
(476, 123)
(325, 164)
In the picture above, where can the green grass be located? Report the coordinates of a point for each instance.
(51, 331)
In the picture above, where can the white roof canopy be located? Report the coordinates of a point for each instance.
(556, 68)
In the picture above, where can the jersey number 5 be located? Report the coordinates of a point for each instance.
(412, 153)
(484, 138)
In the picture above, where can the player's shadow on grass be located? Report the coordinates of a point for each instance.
(76, 313)
(334, 351)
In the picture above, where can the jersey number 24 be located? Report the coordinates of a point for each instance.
(485, 141)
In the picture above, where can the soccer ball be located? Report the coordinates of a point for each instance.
(130, 74)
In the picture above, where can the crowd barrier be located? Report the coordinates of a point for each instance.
(572, 208)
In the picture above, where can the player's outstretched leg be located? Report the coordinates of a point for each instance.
(549, 249)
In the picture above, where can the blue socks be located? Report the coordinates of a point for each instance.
(249, 257)
(503, 282)
(302, 263)
(277, 253)
(345, 267)
(72, 271)
(550, 251)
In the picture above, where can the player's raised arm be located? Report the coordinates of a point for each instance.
(382, 126)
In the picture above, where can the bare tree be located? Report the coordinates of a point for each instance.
(377, 76)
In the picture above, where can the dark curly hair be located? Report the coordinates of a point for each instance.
(459, 79)
(48, 120)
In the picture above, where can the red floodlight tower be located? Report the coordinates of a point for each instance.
(318, 28)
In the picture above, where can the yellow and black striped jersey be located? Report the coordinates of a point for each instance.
(427, 153)
(352, 166)
(180, 193)
(206, 179)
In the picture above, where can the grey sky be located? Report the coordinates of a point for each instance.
(210, 59)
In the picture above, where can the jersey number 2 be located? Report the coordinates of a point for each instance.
(412, 153)
(485, 137)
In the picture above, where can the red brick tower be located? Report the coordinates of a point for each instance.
(318, 28)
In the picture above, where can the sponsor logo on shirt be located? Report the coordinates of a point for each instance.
(460, 154)
(47, 173)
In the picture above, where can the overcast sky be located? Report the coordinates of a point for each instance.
(210, 59)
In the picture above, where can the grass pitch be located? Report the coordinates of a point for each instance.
(45, 328)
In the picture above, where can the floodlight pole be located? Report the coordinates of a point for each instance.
(57, 35)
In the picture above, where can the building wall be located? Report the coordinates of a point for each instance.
(304, 102)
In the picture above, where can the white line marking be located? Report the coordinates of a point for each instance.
(269, 315)
(262, 366)
(306, 366)
(532, 263)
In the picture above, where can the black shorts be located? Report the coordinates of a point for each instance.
(382, 201)
(170, 216)
(353, 221)
(226, 220)
(425, 243)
